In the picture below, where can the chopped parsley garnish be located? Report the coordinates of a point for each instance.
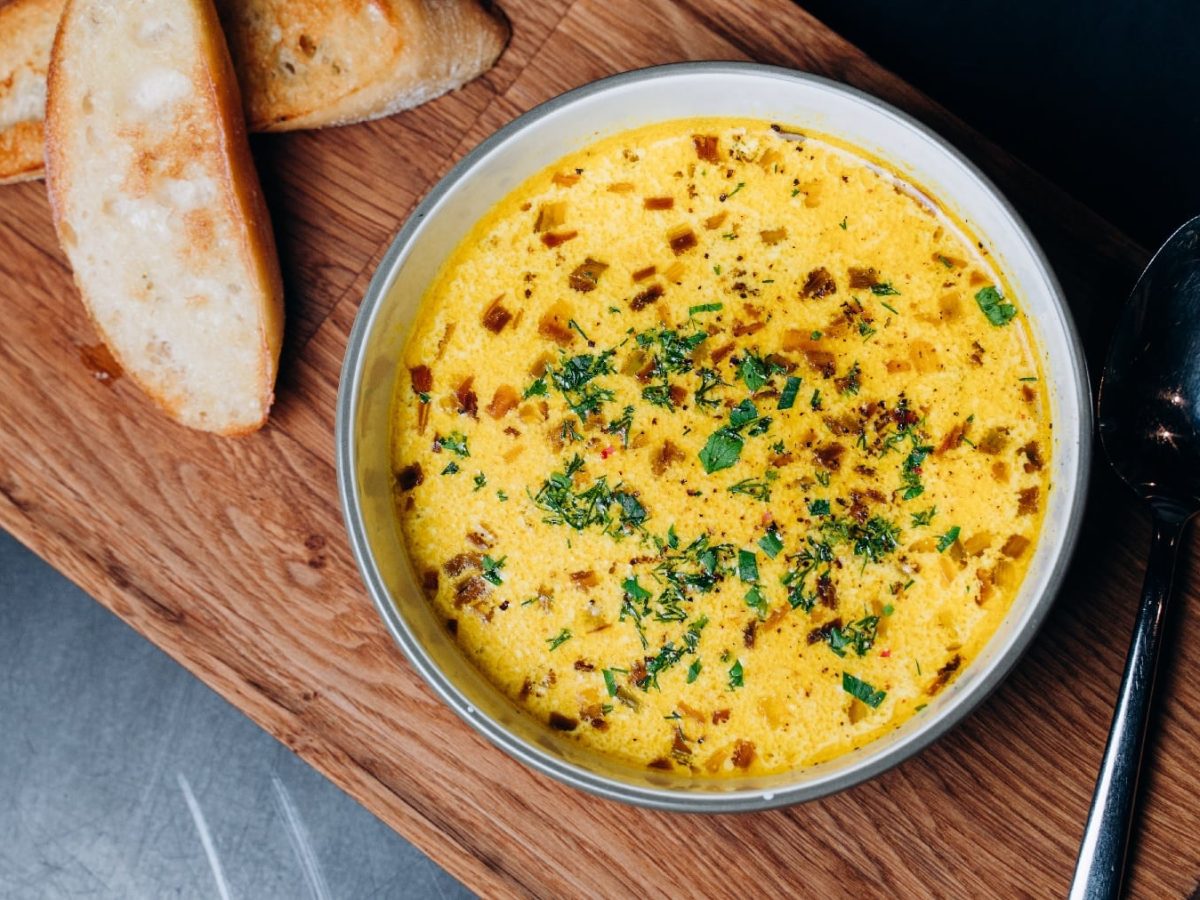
(574, 377)
(884, 290)
(924, 517)
(861, 690)
(944, 542)
(673, 356)
(423, 397)
(1028, 378)
(590, 506)
(634, 590)
(992, 303)
(876, 539)
(737, 676)
(694, 671)
(669, 655)
(860, 636)
(910, 474)
(456, 443)
(747, 566)
(709, 379)
(816, 335)
(574, 326)
(823, 479)
(756, 371)
(480, 481)
(451, 468)
(610, 680)
(888, 609)
(621, 426)
(707, 307)
(787, 399)
(537, 389)
(758, 488)
(818, 507)
(814, 402)
(845, 223)
(889, 308)
(501, 496)
(740, 185)
(771, 543)
(756, 601)
(865, 329)
(491, 569)
(851, 381)
(559, 639)
(742, 414)
(722, 450)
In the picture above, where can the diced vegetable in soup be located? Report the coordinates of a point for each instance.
(720, 448)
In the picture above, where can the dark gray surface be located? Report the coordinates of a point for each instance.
(121, 775)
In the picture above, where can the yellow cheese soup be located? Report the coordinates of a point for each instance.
(720, 447)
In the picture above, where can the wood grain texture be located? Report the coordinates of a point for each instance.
(230, 554)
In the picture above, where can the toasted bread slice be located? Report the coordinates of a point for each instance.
(26, 33)
(312, 63)
(158, 207)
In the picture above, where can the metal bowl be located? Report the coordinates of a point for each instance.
(526, 146)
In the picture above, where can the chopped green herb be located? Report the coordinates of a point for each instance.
(758, 488)
(559, 639)
(501, 496)
(876, 539)
(1028, 378)
(737, 676)
(947, 539)
(992, 303)
(845, 223)
(924, 517)
(705, 307)
(537, 389)
(756, 601)
(888, 609)
(491, 569)
(787, 399)
(635, 590)
(709, 379)
(742, 414)
(823, 479)
(669, 655)
(590, 506)
(771, 543)
(945, 261)
(911, 471)
(814, 401)
(740, 185)
(884, 290)
(851, 381)
(747, 566)
(455, 442)
(694, 671)
(614, 310)
(722, 450)
(575, 326)
(816, 335)
(423, 397)
(672, 537)
(610, 680)
(889, 308)
(451, 468)
(480, 481)
(622, 426)
(716, 270)
(574, 378)
(756, 371)
(795, 191)
(818, 507)
(861, 690)
(858, 635)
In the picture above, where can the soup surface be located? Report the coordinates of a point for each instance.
(720, 447)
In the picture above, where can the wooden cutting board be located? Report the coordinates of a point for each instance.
(230, 554)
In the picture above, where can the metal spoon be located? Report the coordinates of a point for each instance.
(1150, 427)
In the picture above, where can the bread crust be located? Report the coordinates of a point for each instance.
(239, 208)
(26, 33)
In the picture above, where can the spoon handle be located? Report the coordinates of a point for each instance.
(1098, 873)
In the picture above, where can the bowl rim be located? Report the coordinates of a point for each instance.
(665, 798)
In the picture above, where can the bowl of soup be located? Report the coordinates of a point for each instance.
(713, 437)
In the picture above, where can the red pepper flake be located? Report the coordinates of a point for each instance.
(886, 653)
(607, 452)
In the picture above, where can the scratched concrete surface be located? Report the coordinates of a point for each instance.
(123, 776)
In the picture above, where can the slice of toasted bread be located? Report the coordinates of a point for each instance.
(158, 207)
(26, 33)
(312, 63)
